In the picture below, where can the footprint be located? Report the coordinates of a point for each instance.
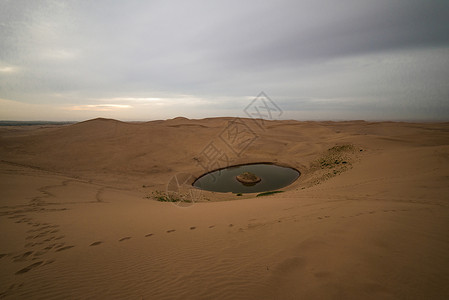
(64, 248)
(29, 268)
(16, 216)
(192, 228)
(230, 225)
(49, 247)
(41, 234)
(148, 235)
(96, 243)
(171, 230)
(24, 220)
(23, 256)
(11, 289)
(125, 238)
(39, 253)
(49, 262)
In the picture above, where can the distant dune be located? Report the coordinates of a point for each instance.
(367, 219)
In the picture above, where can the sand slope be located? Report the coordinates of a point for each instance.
(75, 222)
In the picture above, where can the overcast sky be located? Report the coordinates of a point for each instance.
(146, 60)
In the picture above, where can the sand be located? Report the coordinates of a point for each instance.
(367, 219)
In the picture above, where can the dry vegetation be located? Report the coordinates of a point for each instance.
(331, 163)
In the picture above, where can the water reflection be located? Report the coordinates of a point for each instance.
(224, 180)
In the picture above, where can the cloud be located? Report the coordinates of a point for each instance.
(131, 99)
(183, 100)
(99, 107)
(57, 54)
(16, 110)
(209, 56)
(7, 68)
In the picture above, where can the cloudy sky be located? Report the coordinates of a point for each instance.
(146, 60)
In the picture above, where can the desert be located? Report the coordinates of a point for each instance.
(367, 219)
(239, 150)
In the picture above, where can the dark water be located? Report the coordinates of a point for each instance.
(273, 177)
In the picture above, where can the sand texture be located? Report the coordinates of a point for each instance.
(367, 219)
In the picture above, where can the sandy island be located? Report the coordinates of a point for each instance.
(367, 219)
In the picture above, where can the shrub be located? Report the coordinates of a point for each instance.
(268, 193)
(166, 197)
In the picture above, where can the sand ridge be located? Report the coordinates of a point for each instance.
(77, 224)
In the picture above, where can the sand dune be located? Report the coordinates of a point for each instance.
(76, 221)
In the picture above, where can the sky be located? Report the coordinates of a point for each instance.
(147, 60)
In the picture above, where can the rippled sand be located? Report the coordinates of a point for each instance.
(367, 219)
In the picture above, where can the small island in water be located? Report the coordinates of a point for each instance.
(248, 178)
